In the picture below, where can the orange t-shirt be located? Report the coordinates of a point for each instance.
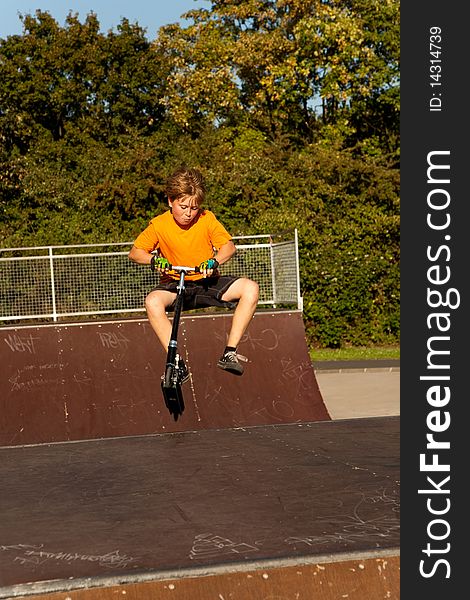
(181, 246)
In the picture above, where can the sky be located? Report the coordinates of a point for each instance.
(149, 14)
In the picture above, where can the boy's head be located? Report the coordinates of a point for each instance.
(186, 182)
(186, 191)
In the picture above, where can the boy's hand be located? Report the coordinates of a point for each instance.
(160, 264)
(207, 267)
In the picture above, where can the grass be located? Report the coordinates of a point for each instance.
(356, 353)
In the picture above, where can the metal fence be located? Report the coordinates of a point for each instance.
(58, 282)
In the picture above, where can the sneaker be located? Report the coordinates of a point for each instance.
(182, 372)
(230, 362)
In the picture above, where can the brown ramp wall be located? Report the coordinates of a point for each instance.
(100, 380)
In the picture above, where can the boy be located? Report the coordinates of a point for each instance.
(188, 235)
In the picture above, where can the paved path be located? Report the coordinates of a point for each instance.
(359, 389)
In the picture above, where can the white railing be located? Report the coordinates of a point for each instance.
(58, 282)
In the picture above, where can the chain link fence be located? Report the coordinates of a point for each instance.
(59, 282)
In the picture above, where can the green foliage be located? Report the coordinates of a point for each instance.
(289, 108)
(274, 63)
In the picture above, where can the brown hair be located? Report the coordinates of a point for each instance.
(186, 182)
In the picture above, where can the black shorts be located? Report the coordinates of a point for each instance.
(201, 293)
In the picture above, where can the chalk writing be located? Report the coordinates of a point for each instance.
(45, 367)
(218, 395)
(264, 413)
(31, 377)
(267, 339)
(29, 384)
(48, 366)
(356, 527)
(301, 372)
(113, 340)
(31, 554)
(207, 546)
(283, 408)
(18, 343)
(83, 379)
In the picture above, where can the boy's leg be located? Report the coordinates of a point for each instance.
(156, 305)
(246, 292)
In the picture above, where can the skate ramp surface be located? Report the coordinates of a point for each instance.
(209, 514)
(97, 380)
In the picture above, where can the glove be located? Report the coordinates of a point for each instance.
(159, 263)
(209, 264)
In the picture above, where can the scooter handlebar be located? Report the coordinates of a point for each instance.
(185, 269)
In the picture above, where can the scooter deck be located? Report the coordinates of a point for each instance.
(174, 401)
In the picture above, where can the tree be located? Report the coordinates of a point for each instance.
(274, 61)
(68, 95)
(289, 107)
(57, 77)
(47, 75)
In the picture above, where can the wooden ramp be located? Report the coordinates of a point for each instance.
(355, 579)
(98, 380)
(274, 512)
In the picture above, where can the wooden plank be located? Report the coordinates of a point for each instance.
(99, 380)
(358, 579)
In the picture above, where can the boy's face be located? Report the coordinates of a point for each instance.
(184, 210)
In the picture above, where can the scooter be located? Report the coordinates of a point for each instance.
(172, 392)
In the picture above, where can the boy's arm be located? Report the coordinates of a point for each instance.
(225, 252)
(140, 256)
(143, 257)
